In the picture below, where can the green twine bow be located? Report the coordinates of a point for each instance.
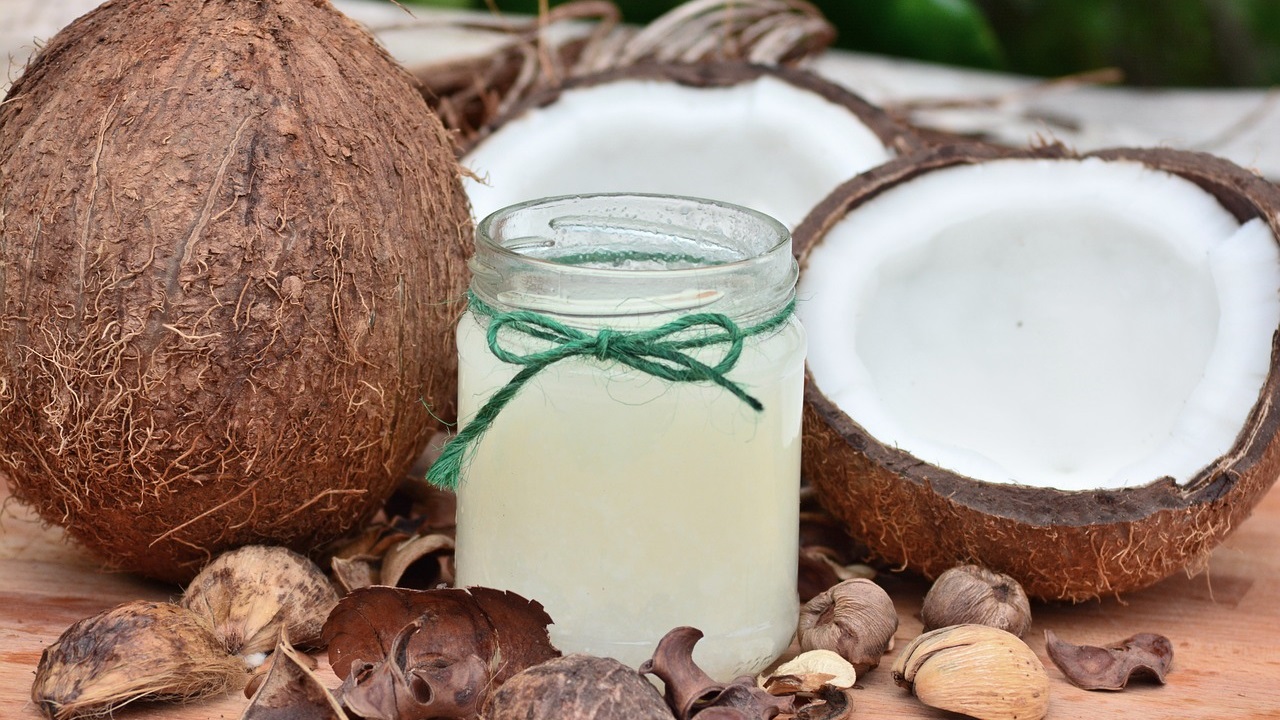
(659, 352)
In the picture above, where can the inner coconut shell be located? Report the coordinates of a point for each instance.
(1071, 545)
(774, 139)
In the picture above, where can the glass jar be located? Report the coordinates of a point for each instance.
(625, 502)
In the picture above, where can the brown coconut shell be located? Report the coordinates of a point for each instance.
(1058, 544)
(894, 134)
(232, 242)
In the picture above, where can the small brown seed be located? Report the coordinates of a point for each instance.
(854, 618)
(972, 594)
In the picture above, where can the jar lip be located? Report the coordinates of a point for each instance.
(485, 237)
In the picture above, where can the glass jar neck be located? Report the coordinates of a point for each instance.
(633, 260)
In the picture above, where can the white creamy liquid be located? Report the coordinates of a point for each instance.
(629, 505)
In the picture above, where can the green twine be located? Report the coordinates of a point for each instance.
(659, 352)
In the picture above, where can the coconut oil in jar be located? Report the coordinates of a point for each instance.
(628, 503)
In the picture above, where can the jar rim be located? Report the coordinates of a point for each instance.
(485, 235)
(646, 254)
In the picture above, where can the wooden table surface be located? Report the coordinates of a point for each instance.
(1224, 624)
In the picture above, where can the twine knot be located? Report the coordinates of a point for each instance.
(602, 343)
(660, 352)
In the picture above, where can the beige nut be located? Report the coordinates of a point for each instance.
(976, 670)
(248, 595)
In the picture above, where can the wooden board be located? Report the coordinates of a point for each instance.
(1224, 624)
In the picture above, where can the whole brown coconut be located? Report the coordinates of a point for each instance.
(231, 238)
(1059, 544)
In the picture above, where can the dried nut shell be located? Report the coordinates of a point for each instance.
(290, 690)
(976, 670)
(138, 650)
(577, 686)
(248, 595)
(855, 619)
(810, 671)
(973, 594)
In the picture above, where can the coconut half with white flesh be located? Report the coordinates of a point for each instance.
(1059, 367)
(774, 139)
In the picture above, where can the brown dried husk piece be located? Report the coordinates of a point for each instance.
(409, 544)
(690, 692)
(432, 650)
(290, 690)
(829, 703)
(136, 651)
(418, 561)
(469, 93)
(1145, 655)
(411, 683)
(233, 241)
(1057, 544)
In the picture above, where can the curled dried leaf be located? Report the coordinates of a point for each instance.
(721, 712)
(691, 691)
(1145, 655)
(247, 596)
(820, 569)
(820, 529)
(414, 549)
(290, 690)
(577, 686)
(686, 686)
(353, 573)
(827, 553)
(258, 674)
(855, 618)
(372, 542)
(828, 703)
(754, 702)
(431, 550)
(138, 650)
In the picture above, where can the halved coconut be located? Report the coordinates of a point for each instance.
(773, 139)
(1059, 367)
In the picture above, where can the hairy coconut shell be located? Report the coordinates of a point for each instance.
(1058, 544)
(232, 238)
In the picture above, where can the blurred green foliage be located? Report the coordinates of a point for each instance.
(1154, 42)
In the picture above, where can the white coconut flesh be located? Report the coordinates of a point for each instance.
(763, 143)
(1066, 324)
